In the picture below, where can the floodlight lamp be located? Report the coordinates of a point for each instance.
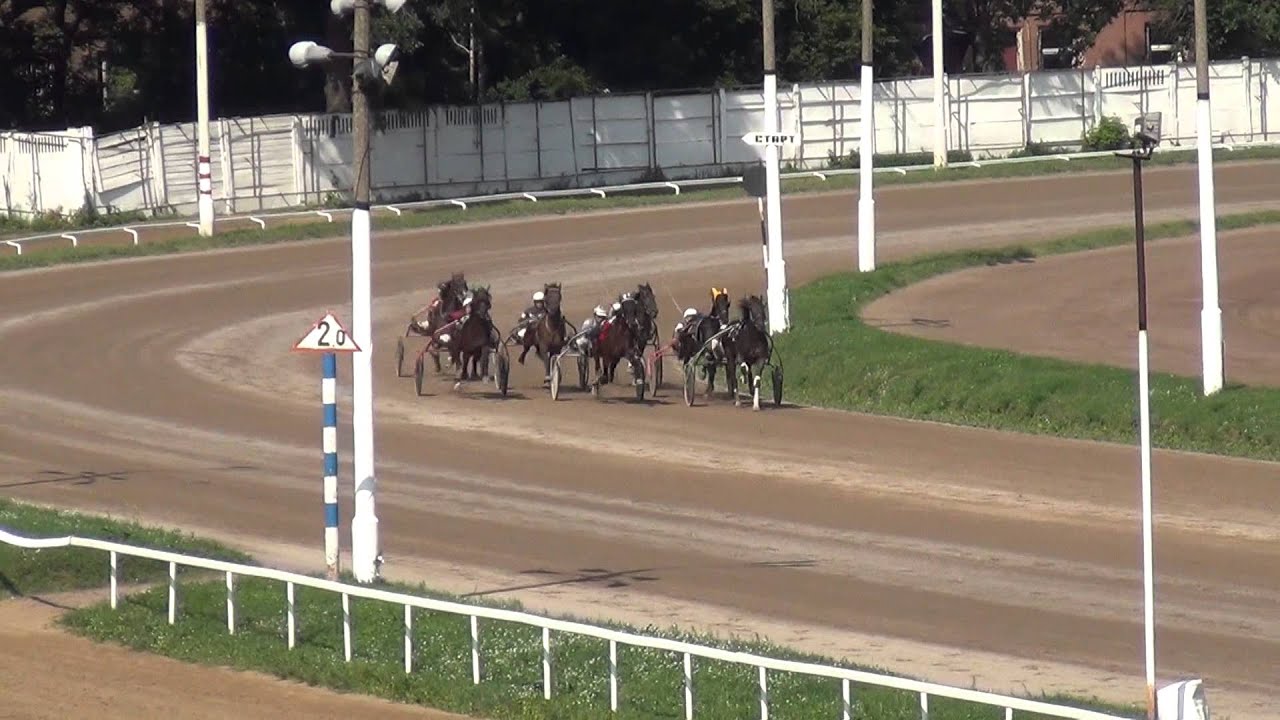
(385, 54)
(305, 52)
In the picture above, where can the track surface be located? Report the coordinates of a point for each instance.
(163, 389)
(1085, 308)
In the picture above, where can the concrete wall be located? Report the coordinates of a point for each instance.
(285, 160)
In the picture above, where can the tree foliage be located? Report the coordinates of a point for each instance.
(114, 63)
(1234, 28)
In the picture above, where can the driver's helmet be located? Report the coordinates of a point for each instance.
(538, 296)
(690, 313)
(466, 300)
(617, 306)
(600, 312)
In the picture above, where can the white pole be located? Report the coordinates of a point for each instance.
(1211, 343)
(364, 521)
(866, 152)
(204, 177)
(1148, 582)
(939, 106)
(779, 313)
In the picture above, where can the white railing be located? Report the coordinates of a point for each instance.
(475, 612)
(260, 219)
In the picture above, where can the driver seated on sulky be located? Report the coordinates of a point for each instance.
(532, 314)
(591, 328)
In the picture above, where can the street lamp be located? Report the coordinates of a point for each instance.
(1146, 137)
(369, 69)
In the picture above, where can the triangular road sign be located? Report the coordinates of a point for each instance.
(327, 335)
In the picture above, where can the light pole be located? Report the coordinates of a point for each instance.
(1147, 134)
(204, 177)
(866, 151)
(365, 552)
(1211, 347)
(939, 105)
(779, 313)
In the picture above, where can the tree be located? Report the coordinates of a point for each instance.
(1235, 28)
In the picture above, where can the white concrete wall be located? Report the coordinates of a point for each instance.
(281, 160)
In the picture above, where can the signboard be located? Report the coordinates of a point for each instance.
(759, 138)
(327, 335)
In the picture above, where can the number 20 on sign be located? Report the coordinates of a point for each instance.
(327, 336)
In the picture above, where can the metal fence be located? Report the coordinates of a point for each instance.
(615, 638)
(74, 237)
(277, 161)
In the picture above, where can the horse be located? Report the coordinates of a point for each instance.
(649, 320)
(448, 302)
(705, 328)
(473, 337)
(547, 336)
(620, 337)
(748, 347)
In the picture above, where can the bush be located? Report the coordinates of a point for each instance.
(1109, 134)
(1038, 149)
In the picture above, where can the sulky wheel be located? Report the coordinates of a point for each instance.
(555, 378)
(583, 368)
(419, 368)
(399, 357)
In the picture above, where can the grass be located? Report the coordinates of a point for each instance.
(650, 682)
(24, 572)
(47, 253)
(834, 359)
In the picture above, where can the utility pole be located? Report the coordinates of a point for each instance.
(779, 313)
(1211, 342)
(364, 522)
(204, 177)
(939, 99)
(866, 151)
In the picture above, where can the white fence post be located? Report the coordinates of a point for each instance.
(847, 699)
(173, 592)
(346, 626)
(613, 675)
(231, 603)
(291, 614)
(546, 663)
(688, 686)
(114, 584)
(764, 693)
(924, 706)
(475, 650)
(408, 639)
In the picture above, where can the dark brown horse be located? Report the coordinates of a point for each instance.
(473, 335)
(621, 337)
(440, 312)
(547, 336)
(748, 347)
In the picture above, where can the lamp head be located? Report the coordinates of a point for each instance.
(305, 52)
(1146, 129)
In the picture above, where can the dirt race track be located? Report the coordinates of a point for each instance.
(163, 389)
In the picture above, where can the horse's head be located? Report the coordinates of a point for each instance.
(754, 313)
(481, 301)
(720, 304)
(647, 300)
(551, 297)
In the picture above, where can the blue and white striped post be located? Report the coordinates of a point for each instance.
(329, 396)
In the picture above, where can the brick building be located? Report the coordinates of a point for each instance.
(1129, 39)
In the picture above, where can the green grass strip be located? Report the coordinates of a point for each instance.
(25, 572)
(833, 359)
(650, 681)
(55, 252)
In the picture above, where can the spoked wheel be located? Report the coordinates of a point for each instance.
(555, 378)
(657, 371)
(419, 369)
(399, 357)
(690, 383)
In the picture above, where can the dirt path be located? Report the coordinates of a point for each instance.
(47, 673)
(163, 390)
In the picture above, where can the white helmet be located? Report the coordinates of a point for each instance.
(601, 312)
(690, 312)
(467, 300)
(617, 306)
(538, 296)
